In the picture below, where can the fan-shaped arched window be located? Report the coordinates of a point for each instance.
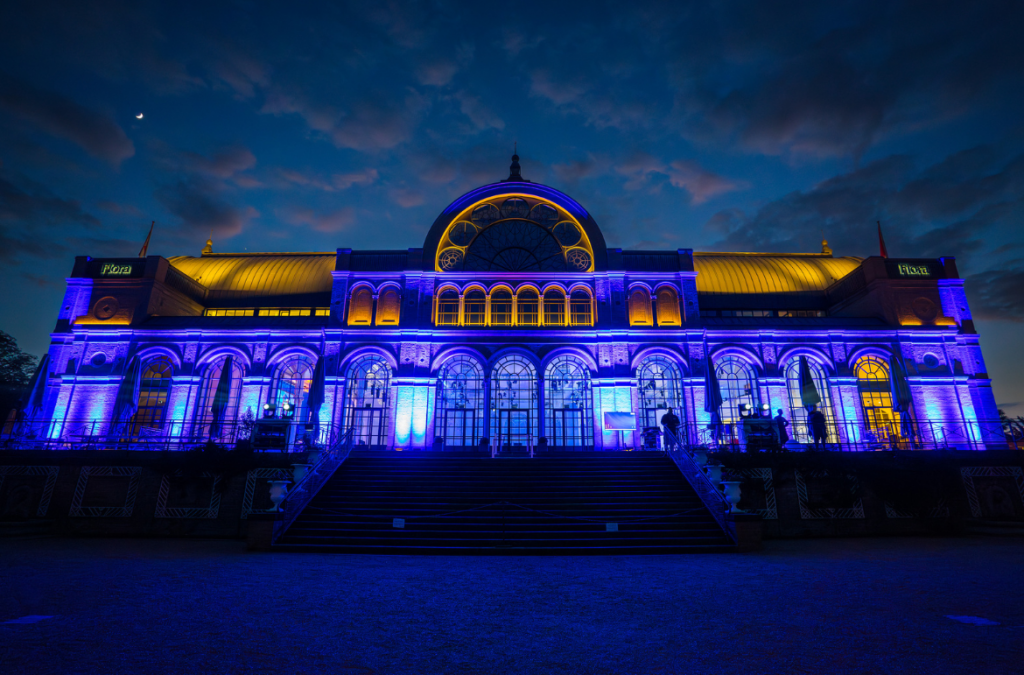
(799, 428)
(660, 384)
(876, 396)
(367, 388)
(668, 307)
(460, 408)
(501, 307)
(640, 308)
(475, 308)
(154, 389)
(514, 401)
(581, 308)
(527, 307)
(448, 308)
(568, 404)
(738, 382)
(360, 310)
(389, 307)
(554, 307)
(292, 379)
(205, 413)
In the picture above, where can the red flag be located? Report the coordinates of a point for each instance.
(145, 246)
(881, 241)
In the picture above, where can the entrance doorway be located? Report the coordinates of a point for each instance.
(459, 428)
(567, 428)
(515, 427)
(368, 428)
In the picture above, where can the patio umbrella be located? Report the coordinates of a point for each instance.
(127, 395)
(316, 395)
(808, 391)
(712, 391)
(900, 390)
(220, 398)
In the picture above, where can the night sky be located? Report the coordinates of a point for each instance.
(739, 126)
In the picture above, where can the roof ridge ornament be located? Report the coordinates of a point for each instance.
(514, 170)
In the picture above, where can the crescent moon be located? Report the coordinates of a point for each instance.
(139, 116)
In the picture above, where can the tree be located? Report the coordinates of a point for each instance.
(16, 370)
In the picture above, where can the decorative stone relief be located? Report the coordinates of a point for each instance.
(191, 349)
(839, 352)
(261, 353)
(620, 353)
(768, 351)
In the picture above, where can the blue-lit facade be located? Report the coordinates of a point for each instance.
(514, 320)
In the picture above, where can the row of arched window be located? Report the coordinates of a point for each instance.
(501, 307)
(511, 405)
(361, 303)
(663, 312)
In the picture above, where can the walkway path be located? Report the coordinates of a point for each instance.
(840, 606)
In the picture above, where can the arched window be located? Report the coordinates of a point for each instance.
(738, 382)
(799, 428)
(514, 401)
(208, 393)
(501, 307)
(389, 307)
(876, 397)
(568, 404)
(291, 385)
(668, 307)
(154, 389)
(448, 308)
(580, 308)
(554, 307)
(475, 310)
(367, 387)
(661, 387)
(360, 309)
(460, 408)
(640, 308)
(528, 307)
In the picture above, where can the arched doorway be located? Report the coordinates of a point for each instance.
(514, 401)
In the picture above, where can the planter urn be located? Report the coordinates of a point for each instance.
(278, 491)
(731, 488)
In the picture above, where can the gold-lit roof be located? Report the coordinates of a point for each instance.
(754, 273)
(238, 275)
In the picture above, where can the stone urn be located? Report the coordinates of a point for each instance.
(700, 457)
(299, 472)
(731, 488)
(313, 457)
(714, 472)
(278, 491)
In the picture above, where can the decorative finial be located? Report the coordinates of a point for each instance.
(209, 246)
(825, 250)
(515, 171)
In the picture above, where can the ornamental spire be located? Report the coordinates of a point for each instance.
(514, 170)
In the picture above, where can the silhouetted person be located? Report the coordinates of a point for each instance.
(780, 424)
(671, 423)
(816, 420)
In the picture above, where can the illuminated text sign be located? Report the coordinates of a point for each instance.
(907, 270)
(115, 270)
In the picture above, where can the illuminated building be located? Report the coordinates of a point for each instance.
(516, 321)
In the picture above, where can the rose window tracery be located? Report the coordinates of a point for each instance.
(515, 234)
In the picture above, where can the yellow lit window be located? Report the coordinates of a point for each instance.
(448, 308)
(579, 306)
(501, 308)
(668, 307)
(554, 308)
(228, 312)
(640, 308)
(360, 310)
(476, 308)
(527, 307)
(322, 311)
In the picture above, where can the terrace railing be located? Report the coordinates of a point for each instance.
(712, 497)
(171, 435)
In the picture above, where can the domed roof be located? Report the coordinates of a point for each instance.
(514, 225)
(756, 273)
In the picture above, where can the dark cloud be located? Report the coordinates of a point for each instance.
(997, 294)
(329, 222)
(203, 210)
(62, 117)
(33, 220)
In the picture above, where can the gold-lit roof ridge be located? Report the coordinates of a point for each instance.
(761, 273)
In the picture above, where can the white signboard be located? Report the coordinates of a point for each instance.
(619, 421)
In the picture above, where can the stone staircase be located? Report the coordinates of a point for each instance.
(586, 503)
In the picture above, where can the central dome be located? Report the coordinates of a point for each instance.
(515, 226)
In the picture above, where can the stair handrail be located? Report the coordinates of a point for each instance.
(713, 499)
(316, 476)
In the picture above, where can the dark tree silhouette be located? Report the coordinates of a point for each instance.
(16, 369)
